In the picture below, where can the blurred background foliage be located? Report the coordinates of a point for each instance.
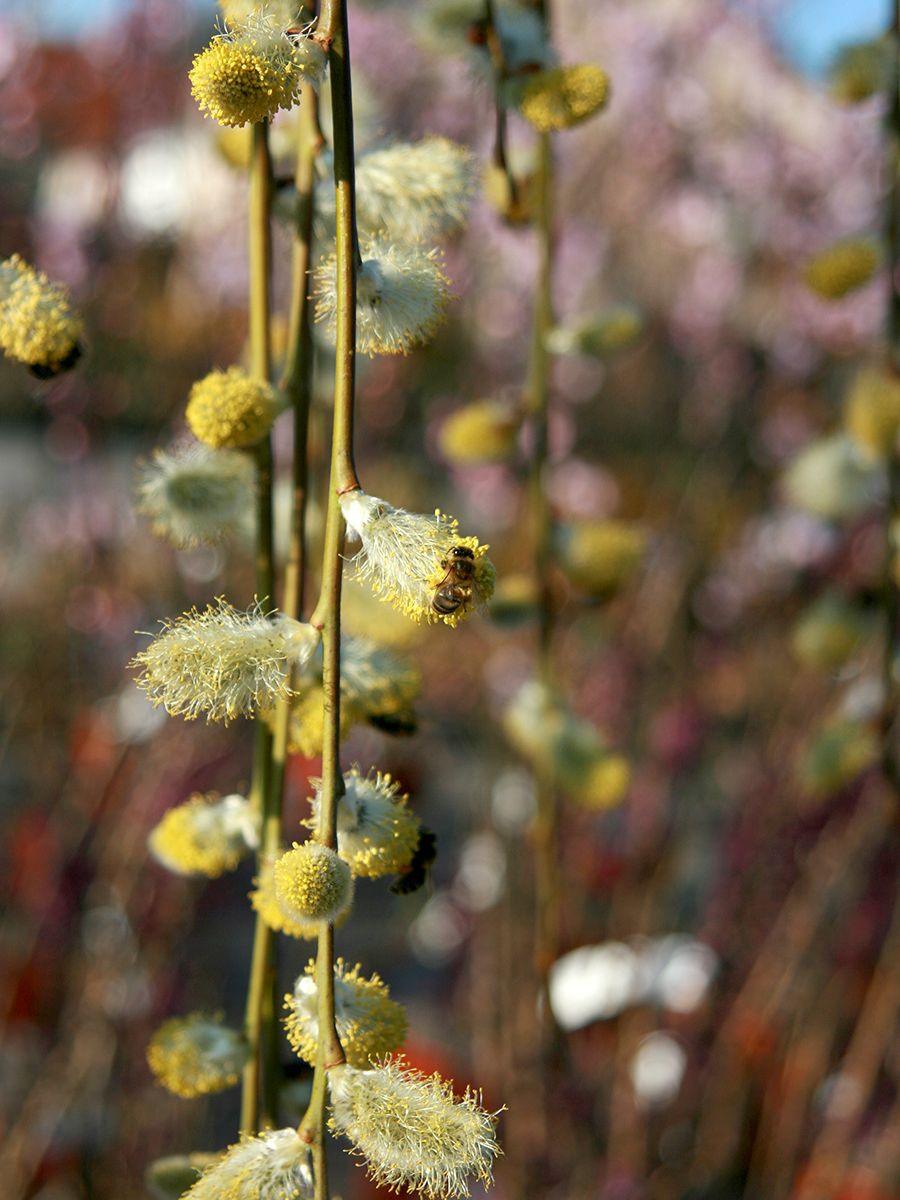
(730, 1014)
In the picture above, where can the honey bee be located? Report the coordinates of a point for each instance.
(454, 591)
(399, 724)
(41, 371)
(418, 872)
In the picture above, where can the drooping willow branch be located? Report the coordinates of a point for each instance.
(544, 831)
(890, 582)
(333, 30)
(260, 1016)
(500, 72)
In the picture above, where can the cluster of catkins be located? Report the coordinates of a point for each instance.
(410, 1129)
(224, 664)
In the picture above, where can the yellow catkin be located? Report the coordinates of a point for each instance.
(223, 663)
(252, 70)
(230, 409)
(842, 268)
(601, 556)
(378, 685)
(835, 757)
(605, 785)
(265, 902)
(872, 410)
(483, 432)
(235, 85)
(204, 835)
(409, 191)
(195, 495)
(196, 1055)
(564, 97)
(306, 727)
(312, 883)
(37, 325)
(369, 1023)
(830, 633)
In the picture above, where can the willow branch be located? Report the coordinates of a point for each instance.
(296, 384)
(296, 381)
(890, 582)
(328, 610)
(259, 1015)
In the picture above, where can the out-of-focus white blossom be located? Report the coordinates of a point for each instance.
(195, 495)
(409, 191)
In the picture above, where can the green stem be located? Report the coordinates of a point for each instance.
(296, 381)
(296, 384)
(328, 610)
(259, 1095)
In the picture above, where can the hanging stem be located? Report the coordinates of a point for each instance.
(544, 831)
(296, 381)
(500, 73)
(531, 1134)
(296, 384)
(260, 1016)
(333, 27)
(890, 583)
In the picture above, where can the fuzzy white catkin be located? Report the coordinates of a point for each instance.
(272, 1166)
(377, 832)
(400, 297)
(404, 556)
(195, 495)
(410, 191)
(412, 1131)
(223, 663)
(369, 1023)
